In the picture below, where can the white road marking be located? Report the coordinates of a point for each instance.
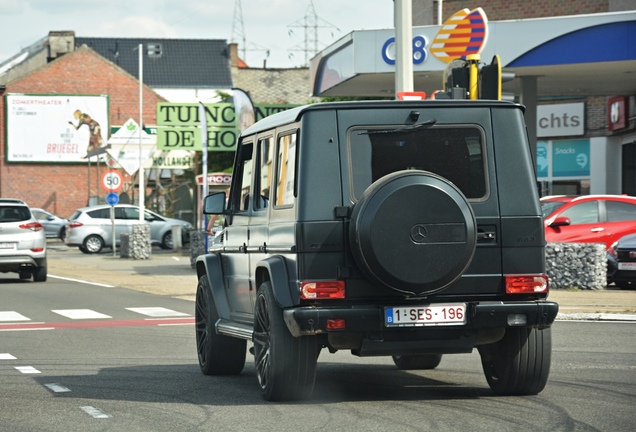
(80, 314)
(27, 329)
(157, 312)
(12, 316)
(28, 369)
(56, 388)
(94, 412)
(6, 356)
(81, 281)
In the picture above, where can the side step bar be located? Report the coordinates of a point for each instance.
(232, 329)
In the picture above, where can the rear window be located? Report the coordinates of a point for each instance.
(14, 213)
(454, 152)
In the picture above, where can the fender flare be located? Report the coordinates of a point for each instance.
(276, 268)
(209, 266)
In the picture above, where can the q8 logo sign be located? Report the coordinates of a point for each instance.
(464, 33)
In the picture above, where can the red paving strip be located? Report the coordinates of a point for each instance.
(96, 324)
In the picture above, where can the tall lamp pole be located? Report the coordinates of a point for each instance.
(142, 191)
(403, 15)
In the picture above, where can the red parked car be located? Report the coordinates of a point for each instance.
(588, 218)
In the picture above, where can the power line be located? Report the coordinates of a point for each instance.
(310, 24)
(238, 34)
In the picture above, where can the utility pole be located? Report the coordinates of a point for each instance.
(403, 16)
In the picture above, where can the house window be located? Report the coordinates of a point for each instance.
(154, 49)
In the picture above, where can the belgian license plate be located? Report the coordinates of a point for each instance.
(438, 314)
(7, 245)
(627, 265)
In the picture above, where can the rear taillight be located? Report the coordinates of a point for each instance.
(37, 250)
(33, 226)
(75, 224)
(321, 290)
(527, 284)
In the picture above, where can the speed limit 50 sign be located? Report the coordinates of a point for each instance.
(112, 181)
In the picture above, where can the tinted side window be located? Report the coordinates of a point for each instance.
(128, 213)
(243, 174)
(620, 211)
(266, 167)
(100, 213)
(286, 170)
(582, 213)
(453, 152)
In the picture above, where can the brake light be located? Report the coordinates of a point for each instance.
(526, 284)
(75, 224)
(320, 290)
(33, 226)
(37, 249)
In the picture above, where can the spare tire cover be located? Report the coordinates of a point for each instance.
(413, 232)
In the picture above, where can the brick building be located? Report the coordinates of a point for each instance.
(62, 188)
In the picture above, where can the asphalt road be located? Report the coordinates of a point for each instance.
(135, 369)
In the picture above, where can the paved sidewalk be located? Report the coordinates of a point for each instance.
(169, 273)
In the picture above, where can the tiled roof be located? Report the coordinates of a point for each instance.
(169, 63)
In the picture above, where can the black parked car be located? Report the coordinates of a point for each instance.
(408, 229)
(621, 262)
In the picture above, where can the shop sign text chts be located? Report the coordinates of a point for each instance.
(178, 125)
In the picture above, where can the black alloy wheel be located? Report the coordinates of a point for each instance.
(218, 354)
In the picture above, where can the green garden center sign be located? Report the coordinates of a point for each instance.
(178, 125)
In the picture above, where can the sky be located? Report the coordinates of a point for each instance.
(274, 26)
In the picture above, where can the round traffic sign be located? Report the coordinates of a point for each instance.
(112, 181)
(112, 198)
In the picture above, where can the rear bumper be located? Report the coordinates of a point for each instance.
(304, 321)
(20, 262)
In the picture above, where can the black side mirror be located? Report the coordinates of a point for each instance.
(214, 203)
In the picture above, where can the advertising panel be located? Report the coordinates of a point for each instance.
(561, 120)
(571, 158)
(178, 125)
(55, 128)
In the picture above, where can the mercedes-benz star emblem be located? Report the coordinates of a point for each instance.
(419, 233)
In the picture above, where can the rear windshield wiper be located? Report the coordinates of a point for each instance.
(407, 129)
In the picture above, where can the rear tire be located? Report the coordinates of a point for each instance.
(518, 364)
(218, 354)
(39, 274)
(166, 241)
(93, 244)
(285, 365)
(417, 362)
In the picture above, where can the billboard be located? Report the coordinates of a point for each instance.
(55, 128)
(178, 125)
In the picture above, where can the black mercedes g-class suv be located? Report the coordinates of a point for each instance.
(409, 229)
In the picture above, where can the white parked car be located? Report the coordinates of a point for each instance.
(22, 241)
(90, 228)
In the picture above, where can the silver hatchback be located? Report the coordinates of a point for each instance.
(91, 228)
(22, 241)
